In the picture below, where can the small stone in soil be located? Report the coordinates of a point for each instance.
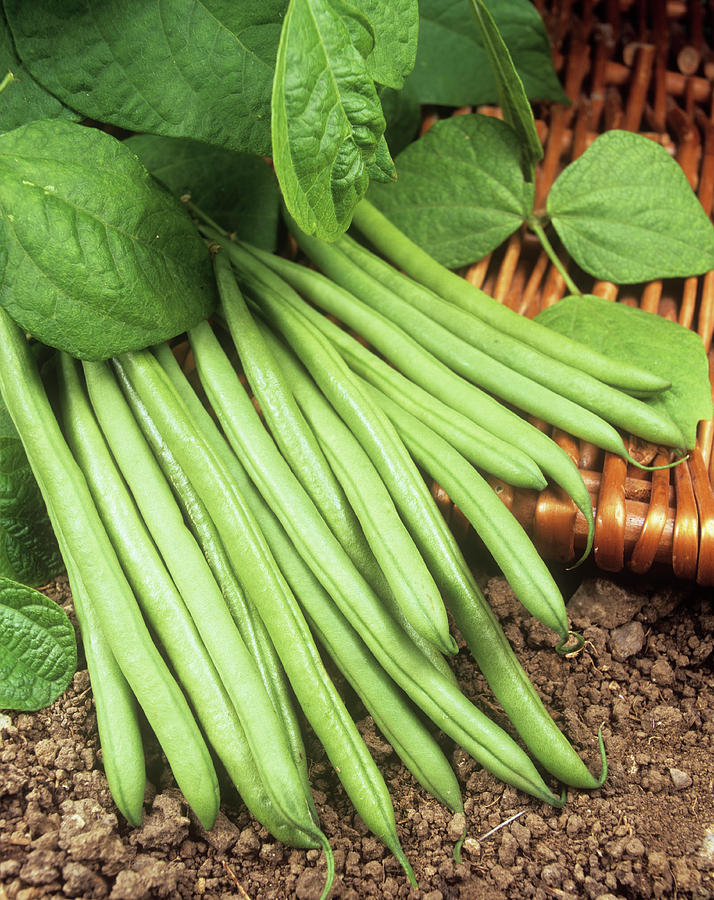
(681, 780)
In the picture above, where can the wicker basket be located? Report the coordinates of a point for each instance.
(645, 67)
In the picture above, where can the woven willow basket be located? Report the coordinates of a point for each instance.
(646, 67)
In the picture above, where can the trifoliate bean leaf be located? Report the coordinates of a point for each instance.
(633, 335)
(626, 213)
(460, 191)
(38, 648)
(95, 256)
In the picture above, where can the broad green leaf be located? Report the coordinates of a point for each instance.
(402, 111)
(24, 100)
(358, 25)
(382, 169)
(452, 67)
(633, 335)
(185, 68)
(396, 30)
(326, 119)
(28, 549)
(511, 95)
(460, 191)
(625, 212)
(95, 256)
(237, 190)
(38, 648)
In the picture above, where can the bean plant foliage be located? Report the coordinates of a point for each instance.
(112, 116)
(633, 335)
(39, 650)
(28, 549)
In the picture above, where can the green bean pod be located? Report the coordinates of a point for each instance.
(490, 452)
(117, 713)
(582, 405)
(545, 601)
(233, 465)
(264, 583)
(444, 704)
(406, 573)
(163, 605)
(483, 633)
(417, 263)
(194, 580)
(513, 551)
(88, 550)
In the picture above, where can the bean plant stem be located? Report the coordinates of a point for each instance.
(539, 231)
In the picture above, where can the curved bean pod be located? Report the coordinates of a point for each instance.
(520, 563)
(410, 257)
(508, 543)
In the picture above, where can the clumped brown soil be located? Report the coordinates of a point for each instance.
(645, 675)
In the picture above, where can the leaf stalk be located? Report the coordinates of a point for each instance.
(539, 231)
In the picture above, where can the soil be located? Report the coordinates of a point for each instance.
(645, 675)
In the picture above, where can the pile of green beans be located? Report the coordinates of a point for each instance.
(220, 550)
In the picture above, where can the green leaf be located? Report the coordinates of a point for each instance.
(358, 25)
(327, 119)
(402, 111)
(511, 95)
(95, 256)
(28, 549)
(460, 191)
(382, 169)
(625, 212)
(396, 30)
(452, 67)
(237, 190)
(38, 648)
(184, 68)
(663, 347)
(24, 100)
